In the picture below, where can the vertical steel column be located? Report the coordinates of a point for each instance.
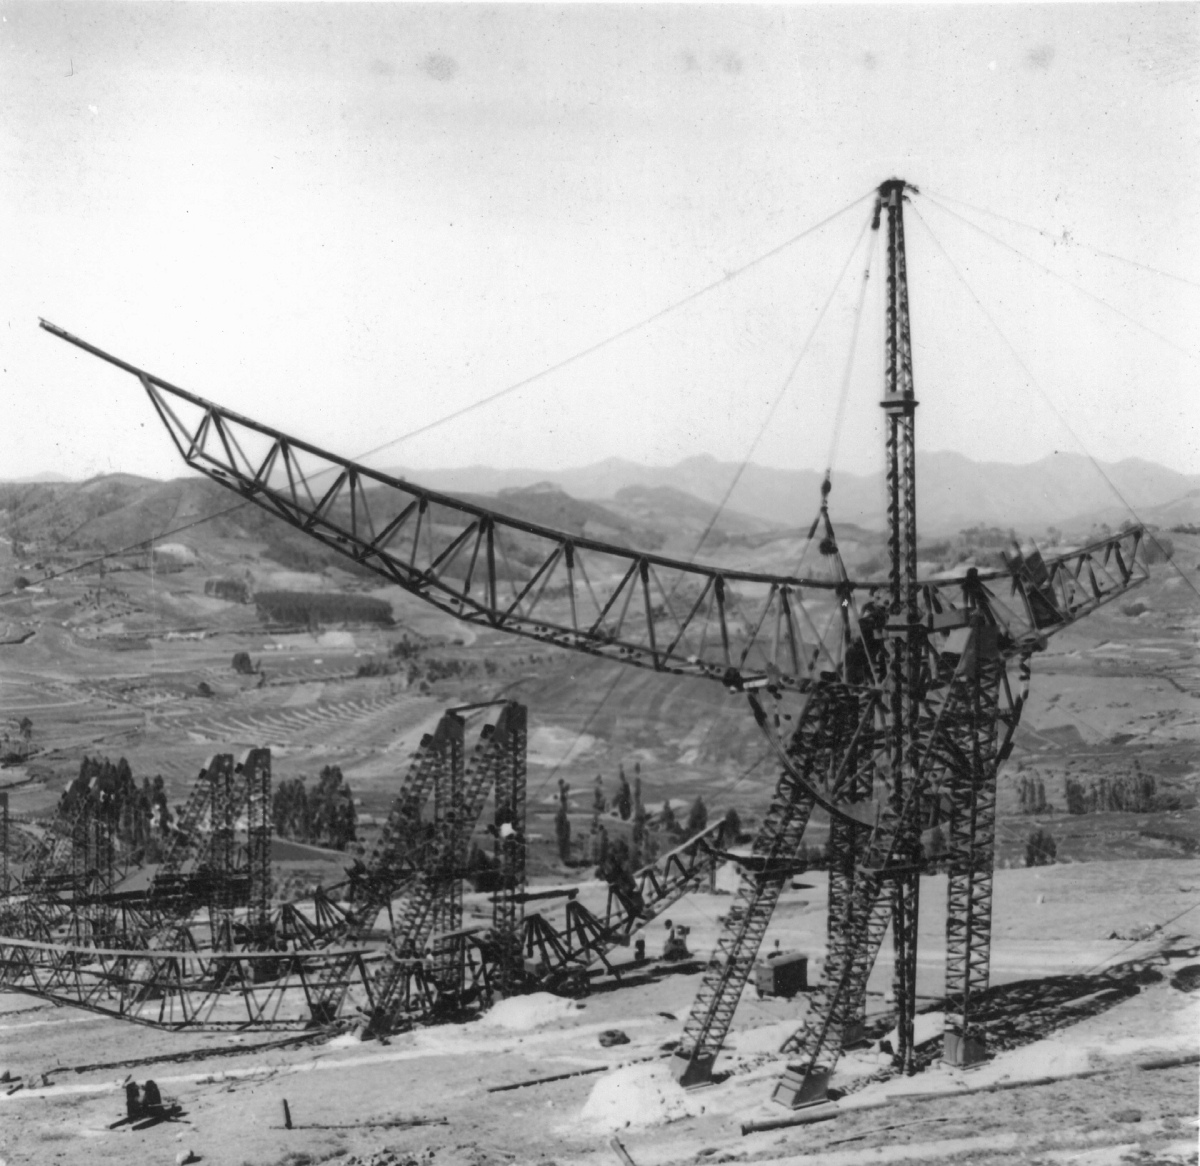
(100, 914)
(256, 769)
(823, 735)
(904, 631)
(449, 814)
(3, 842)
(223, 808)
(972, 830)
(83, 867)
(508, 907)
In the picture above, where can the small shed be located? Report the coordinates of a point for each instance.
(782, 973)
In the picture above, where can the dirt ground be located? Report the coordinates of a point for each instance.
(1070, 999)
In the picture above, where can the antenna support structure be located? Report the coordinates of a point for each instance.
(898, 714)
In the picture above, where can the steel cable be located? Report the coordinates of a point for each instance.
(1064, 238)
(1049, 401)
(1070, 283)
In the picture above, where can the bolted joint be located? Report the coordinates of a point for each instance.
(899, 403)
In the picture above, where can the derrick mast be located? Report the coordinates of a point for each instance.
(904, 630)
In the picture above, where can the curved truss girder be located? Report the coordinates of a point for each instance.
(740, 628)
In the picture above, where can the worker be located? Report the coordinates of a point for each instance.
(639, 948)
(152, 1103)
(676, 947)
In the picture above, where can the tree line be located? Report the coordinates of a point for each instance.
(138, 815)
(312, 608)
(650, 832)
(322, 816)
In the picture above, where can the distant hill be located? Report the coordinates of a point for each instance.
(953, 492)
(665, 509)
(1181, 511)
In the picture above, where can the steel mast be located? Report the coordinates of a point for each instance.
(904, 629)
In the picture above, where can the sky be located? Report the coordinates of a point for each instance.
(349, 221)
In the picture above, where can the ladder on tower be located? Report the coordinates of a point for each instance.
(776, 848)
(188, 820)
(836, 1008)
(832, 729)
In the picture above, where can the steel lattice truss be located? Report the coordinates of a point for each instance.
(316, 965)
(176, 989)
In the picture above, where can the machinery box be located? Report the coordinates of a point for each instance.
(784, 974)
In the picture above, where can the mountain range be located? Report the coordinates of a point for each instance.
(953, 492)
(672, 509)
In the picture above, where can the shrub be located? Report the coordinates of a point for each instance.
(1040, 849)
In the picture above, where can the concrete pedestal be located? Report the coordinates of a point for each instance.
(795, 1092)
(692, 1071)
(962, 1051)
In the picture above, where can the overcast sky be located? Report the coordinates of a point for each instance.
(348, 221)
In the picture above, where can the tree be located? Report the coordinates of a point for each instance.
(731, 827)
(617, 868)
(562, 833)
(667, 822)
(1076, 797)
(158, 797)
(325, 816)
(332, 818)
(697, 817)
(638, 833)
(624, 799)
(601, 848)
(1040, 849)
